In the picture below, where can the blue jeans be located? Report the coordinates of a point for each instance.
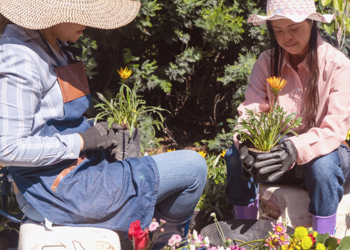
(182, 175)
(323, 178)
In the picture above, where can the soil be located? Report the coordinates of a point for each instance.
(258, 151)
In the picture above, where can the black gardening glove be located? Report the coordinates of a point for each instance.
(279, 160)
(98, 137)
(247, 162)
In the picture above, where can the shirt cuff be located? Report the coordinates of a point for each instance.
(73, 150)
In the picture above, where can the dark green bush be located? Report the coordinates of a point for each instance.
(191, 57)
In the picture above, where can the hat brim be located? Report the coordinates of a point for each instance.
(259, 20)
(38, 14)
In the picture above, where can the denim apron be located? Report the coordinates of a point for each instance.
(89, 191)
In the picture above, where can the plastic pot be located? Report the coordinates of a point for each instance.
(126, 146)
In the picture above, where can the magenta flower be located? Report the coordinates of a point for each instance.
(174, 239)
(278, 228)
(153, 227)
(273, 242)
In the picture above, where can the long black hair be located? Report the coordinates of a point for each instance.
(311, 95)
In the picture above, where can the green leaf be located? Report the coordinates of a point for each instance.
(347, 23)
(218, 212)
(331, 243)
(329, 27)
(338, 5)
(320, 239)
(345, 243)
(325, 2)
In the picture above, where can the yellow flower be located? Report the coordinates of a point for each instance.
(348, 135)
(125, 73)
(289, 247)
(320, 246)
(223, 153)
(314, 233)
(202, 153)
(276, 83)
(170, 150)
(301, 232)
(306, 242)
(283, 238)
(294, 244)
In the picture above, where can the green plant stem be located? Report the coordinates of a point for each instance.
(243, 242)
(220, 230)
(272, 104)
(253, 241)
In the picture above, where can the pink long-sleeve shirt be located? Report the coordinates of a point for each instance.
(333, 116)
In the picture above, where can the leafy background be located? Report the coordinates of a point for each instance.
(192, 57)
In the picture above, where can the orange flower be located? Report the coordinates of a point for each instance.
(125, 73)
(276, 83)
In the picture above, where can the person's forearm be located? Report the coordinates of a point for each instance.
(36, 151)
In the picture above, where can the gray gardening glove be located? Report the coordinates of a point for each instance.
(247, 162)
(279, 160)
(98, 137)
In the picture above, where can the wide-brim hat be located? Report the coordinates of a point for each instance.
(40, 14)
(295, 10)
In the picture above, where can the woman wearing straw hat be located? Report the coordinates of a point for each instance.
(53, 154)
(318, 90)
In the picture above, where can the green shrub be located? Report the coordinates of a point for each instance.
(214, 197)
(185, 54)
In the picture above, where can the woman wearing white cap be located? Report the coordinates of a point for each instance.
(53, 154)
(318, 90)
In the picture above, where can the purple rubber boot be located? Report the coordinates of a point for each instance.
(247, 212)
(324, 224)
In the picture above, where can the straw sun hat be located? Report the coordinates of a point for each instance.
(295, 10)
(40, 14)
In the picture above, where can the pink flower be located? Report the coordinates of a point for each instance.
(153, 226)
(162, 221)
(200, 238)
(278, 228)
(213, 248)
(174, 239)
(272, 242)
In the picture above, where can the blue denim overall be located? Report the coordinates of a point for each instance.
(89, 191)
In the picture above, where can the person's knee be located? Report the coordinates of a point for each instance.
(325, 168)
(195, 164)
